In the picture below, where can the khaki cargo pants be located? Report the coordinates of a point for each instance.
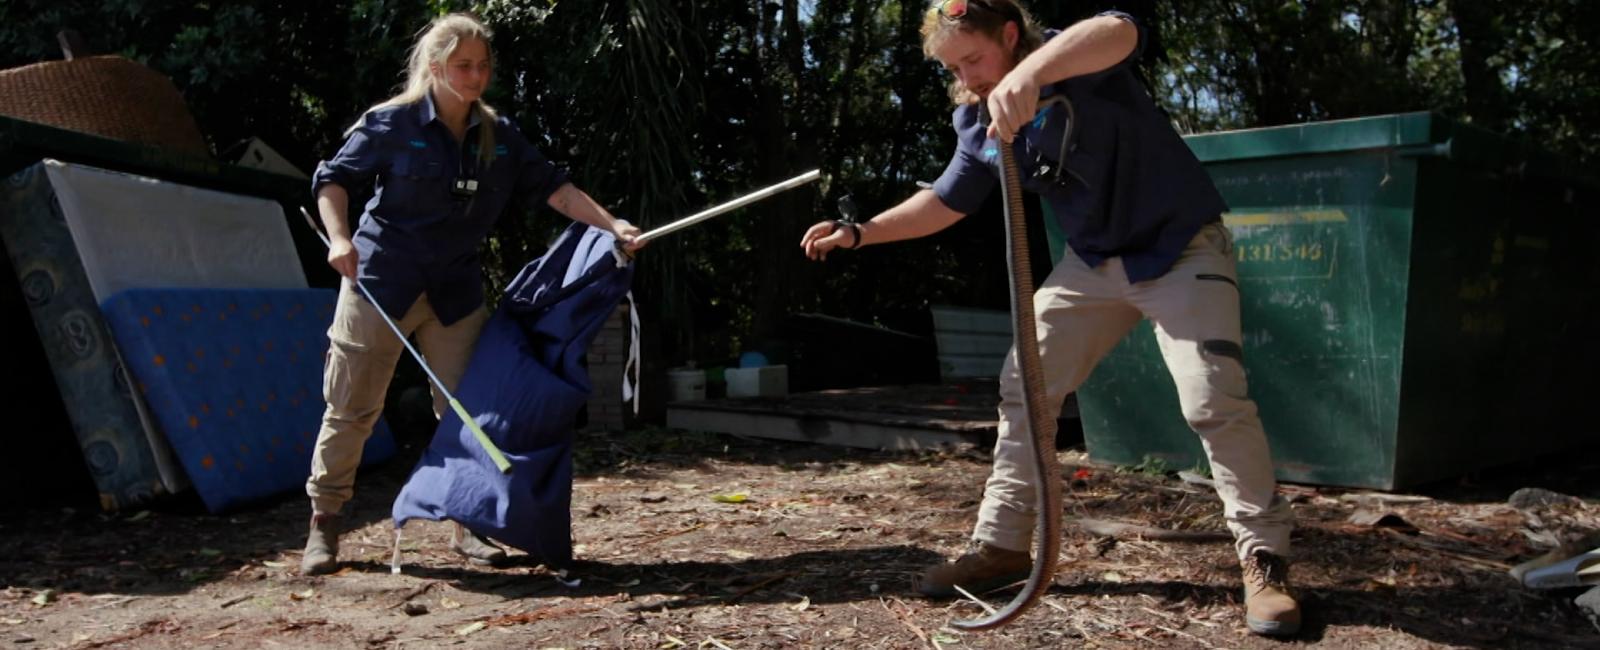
(1082, 313)
(362, 354)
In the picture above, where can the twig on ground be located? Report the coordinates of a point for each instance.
(1119, 529)
(413, 594)
(905, 620)
(975, 599)
(752, 588)
(675, 533)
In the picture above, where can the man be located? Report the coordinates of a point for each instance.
(1143, 224)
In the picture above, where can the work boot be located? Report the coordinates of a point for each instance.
(1268, 607)
(476, 548)
(322, 546)
(981, 569)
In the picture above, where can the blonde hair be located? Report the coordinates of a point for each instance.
(434, 45)
(986, 17)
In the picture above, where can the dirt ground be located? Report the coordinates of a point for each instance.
(819, 553)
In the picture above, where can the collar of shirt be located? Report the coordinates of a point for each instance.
(427, 112)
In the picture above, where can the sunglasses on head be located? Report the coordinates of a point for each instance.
(952, 9)
(958, 10)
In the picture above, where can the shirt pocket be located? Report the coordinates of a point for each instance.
(415, 182)
(497, 175)
(1077, 183)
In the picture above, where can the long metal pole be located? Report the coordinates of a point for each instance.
(730, 206)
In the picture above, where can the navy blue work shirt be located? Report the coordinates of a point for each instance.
(1132, 188)
(416, 235)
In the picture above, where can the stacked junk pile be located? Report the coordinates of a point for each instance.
(174, 337)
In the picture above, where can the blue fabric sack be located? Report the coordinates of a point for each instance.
(525, 384)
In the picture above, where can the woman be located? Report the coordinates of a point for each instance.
(1145, 240)
(444, 166)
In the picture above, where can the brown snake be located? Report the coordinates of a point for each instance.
(1047, 484)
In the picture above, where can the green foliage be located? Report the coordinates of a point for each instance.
(662, 107)
(1149, 466)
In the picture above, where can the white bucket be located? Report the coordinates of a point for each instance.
(686, 384)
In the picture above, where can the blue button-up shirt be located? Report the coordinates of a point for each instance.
(1132, 188)
(416, 236)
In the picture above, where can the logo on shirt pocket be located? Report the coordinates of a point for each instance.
(412, 178)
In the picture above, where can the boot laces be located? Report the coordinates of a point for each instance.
(1267, 570)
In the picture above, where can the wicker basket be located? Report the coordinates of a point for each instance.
(108, 96)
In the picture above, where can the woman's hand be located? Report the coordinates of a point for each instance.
(342, 256)
(627, 234)
(824, 237)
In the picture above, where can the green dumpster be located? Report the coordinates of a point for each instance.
(1419, 301)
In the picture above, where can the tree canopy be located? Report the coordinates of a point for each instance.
(661, 107)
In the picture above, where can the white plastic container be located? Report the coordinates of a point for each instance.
(686, 384)
(763, 381)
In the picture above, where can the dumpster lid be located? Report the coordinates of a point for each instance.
(1415, 134)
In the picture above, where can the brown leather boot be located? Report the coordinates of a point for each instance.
(1268, 607)
(981, 569)
(475, 548)
(322, 546)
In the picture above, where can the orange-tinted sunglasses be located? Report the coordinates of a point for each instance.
(953, 8)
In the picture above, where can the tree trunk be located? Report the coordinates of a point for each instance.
(1486, 95)
(784, 275)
